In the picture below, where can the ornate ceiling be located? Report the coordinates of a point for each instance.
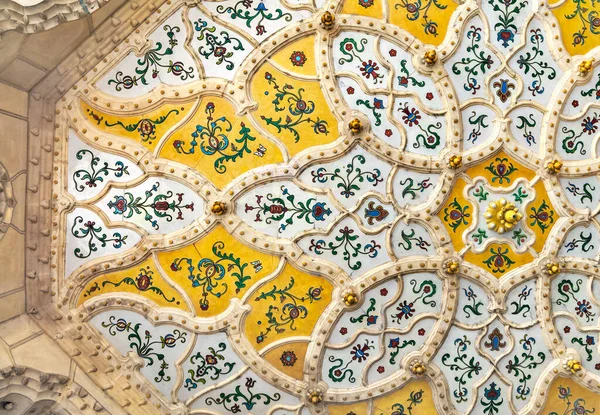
(357, 207)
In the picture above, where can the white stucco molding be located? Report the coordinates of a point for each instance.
(44, 15)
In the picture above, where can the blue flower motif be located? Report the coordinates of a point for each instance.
(119, 205)
(506, 36)
(319, 211)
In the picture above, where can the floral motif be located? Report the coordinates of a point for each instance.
(351, 49)
(586, 193)
(208, 365)
(418, 7)
(532, 65)
(408, 239)
(247, 398)
(578, 408)
(145, 126)
(519, 366)
(397, 346)
(152, 60)
(210, 273)
(478, 122)
(499, 261)
(411, 189)
(254, 16)
(406, 78)
(589, 21)
(351, 248)
(583, 240)
(288, 358)
(495, 342)
(215, 140)
(279, 319)
(93, 233)
(144, 344)
(298, 58)
(152, 206)
(285, 209)
(503, 89)
(143, 282)
(465, 366)
(297, 107)
(542, 216)
(340, 369)
(90, 176)
(507, 11)
(373, 213)
(456, 215)
(473, 305)
(216, 46)
(526, 124)
(490, 402)
(375, 108)
(353, 176)
(429, 135)
(421, 293)
(501, 169)
(476, 62)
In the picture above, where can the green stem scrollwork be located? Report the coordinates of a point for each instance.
(144, 345)
(216, 46)
(465, 366)
(93, 233)
(207, 365)
(519, 366)
(143, 282)
(353, 176)
(351, 248)
(248, 398)
(90, 175)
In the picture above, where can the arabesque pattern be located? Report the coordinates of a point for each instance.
(343, 207)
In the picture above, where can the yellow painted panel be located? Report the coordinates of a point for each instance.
(579, 25)
(540, 216)
(370, 8)
(457, 214)
(298, 57)
(293, 111)
(219, 144)
(427, 20)
(563, 392)
(358, 408)
(500, 170)
(216, 269)
(499, 259)
(143, 279)
(415, 397)
(287, 306)
(288, 358)
(146, 129)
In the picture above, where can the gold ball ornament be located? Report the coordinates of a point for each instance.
(430, 57)
(418, 369)
(452, 267)
(315, 397)
(455, 162)
(573, 365)
(219, 208)
(355, 126)
(327, 20)
(552, 268)
(585, 67)
(554, 166)
(350, 299)
(502, 216)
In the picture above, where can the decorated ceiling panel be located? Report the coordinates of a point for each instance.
(344, 207)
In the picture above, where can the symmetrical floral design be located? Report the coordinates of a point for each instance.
(342, 205)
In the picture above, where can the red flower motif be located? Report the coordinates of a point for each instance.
(392, 52)
(429, 96)
(381, 369)
(421, 332)
(567, 329)
(597, 366)
(383, 292)
(388, 132)
(575, 103)
(350, 90)
(343, 331)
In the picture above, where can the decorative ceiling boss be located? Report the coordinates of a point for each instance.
(339, 207)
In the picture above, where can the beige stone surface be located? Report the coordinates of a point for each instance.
(18, 329)
(12, 305)
(29, 354)
(13, 100)
(99, 16)
(13, 143)
(10, 46)
(22, 74)
(19, 186)
(12, 258)
(47, 49)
